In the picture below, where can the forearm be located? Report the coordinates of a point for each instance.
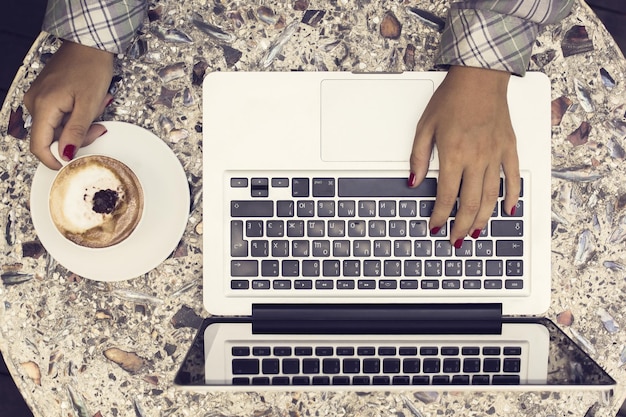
(496, 34)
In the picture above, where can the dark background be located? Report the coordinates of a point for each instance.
(20, 22)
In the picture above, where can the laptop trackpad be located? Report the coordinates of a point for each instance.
(371, 120)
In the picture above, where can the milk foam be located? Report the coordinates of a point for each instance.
(78, 198)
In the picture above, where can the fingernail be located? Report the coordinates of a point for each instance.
(68, 151)
(102, 134)
(435, 230)
(476, 233)
(513, 211)
(109, 102)
(411, 180)
(458, 243)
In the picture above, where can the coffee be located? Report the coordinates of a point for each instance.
(96, 201)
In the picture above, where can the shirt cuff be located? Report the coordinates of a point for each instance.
(110, 27)
(486, 39)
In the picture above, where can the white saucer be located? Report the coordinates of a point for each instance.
(166, 208)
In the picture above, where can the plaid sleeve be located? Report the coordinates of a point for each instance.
(109, 25)
(496, 34)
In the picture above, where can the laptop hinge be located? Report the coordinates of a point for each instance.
(377, 318)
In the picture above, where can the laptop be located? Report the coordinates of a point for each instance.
(319, 270)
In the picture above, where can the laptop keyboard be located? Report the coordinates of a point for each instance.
(367, 364)
(322, 232)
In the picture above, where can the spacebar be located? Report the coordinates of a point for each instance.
(385, 187)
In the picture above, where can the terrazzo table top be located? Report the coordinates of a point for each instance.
(86, 348)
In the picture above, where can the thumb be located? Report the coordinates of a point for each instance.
(75, 131)
(420, 155)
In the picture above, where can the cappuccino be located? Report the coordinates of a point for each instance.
(96, 201)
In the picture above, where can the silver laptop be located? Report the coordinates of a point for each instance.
(319, 269)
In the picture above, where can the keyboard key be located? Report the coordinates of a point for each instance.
(275, 228)
(512, 351)
(345, 351)
(480, 380)
(507, 228)
(491, 365)
(251, 208)
(460, 380)
(305, 208)
(260, 284)
(351, 366)
(514, 268)
(261, 351)
(471, 365)
(310, 366)
(512, 365)
(371, 366)
(280, 380)
(506, 380)
(270, 366)
(347, 208)
(331, 366)
(259, 187)
(321, 380)
(239, 268)
(513, 284)
(509, 248)
(260, 380)
(401, 380)
(411, 366)
(285, 208)
(429, 351)
(407, 351)
(282, 351)
(381, 380)
(324, 351)
(491, 351)
(385, 187)
(391, 366)
(245, 366)
(326, 208)
(386, 351)
(451, 365)
(280, 182)
(470, 351)
(449, 351)
(300, 187)
(238, 246)
(361, 380)
(345, 284)
(408, 208)
(303, 284)
(240, 351)
(303, 351)
(323, 187)
(301, 380)
(420, 380)
(367, 208)
(324, 284)
(341, 380)
(241, 381)
(239, 284)
(366, 351)
(493, 284)
(431, 366)
(238, 182)
(441, 380)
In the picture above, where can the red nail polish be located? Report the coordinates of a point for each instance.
(513, 211)
(435, 230)
(109, 102)
(458, 243)
(476, 233)
(411, 181)
(102, 134)
(68, 151)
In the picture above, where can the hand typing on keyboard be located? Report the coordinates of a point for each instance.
(468, 119)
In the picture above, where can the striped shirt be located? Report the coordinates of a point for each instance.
(109, 25)
(496, 34)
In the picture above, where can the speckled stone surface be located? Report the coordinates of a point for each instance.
(85, 348)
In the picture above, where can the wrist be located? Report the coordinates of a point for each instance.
(483, 78)
(88, 53)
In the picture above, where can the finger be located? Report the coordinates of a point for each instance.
(75, 130)
(491, 190)
(512, 181)
(42, 134)
(447, 192)
(420, 155)
(470, 198)
(95, 131)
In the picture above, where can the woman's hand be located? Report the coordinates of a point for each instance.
(468, 119)
(64, 100)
